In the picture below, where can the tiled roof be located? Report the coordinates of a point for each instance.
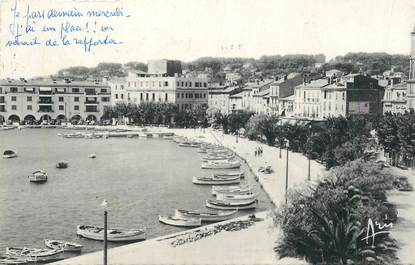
(239, 95)
(319, 83)
(49, 82)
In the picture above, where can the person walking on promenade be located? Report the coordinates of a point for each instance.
(260, 151)
(256, 151)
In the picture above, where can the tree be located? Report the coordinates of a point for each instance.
(253, 126)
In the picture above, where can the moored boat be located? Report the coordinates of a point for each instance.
(240, 189)
(66, 246)
(226, 205)
(113, 235)
(39, 176)
(92, 156)
(225, 164)
(73, 135)
(9, 154)
(179, 221)
(32, 252)
(235, 197)
(241, 174)
(216, 180)
(62, 164)
(206, 216)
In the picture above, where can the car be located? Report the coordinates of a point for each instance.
(389, 212)
(402, 183)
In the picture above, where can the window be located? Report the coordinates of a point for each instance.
(187, 95)
(196, 95)
(60, 99)
(29, 99)
(122, 96)
(14, 107)
(128, 96)
(147, 96)
(116, 96)
(2, 99)
(178, 95)
(122, 87)
(75, 90)
(205, 84)
(182, 95)
(153, 97)
(166, 83)
(13, 90)
(343, 96)
(76, 99)
(60, 107)
(178, 83)
(2, 108)
(141, 96)
(29, 107)
(190, 84)
(190, 95)
(76, 107)
(105, 99)
(166, 97)
(304, 94)
(135, 84)
(14, 98)
(182, 83)
(103, 90)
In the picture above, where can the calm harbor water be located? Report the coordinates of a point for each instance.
(140, 178)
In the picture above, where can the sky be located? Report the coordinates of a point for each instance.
(188, 29)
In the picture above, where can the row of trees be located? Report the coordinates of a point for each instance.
(396, 133)
(338, 141)
(158, 113)
(329, 223)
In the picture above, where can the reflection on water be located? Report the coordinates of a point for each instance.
(140, 178)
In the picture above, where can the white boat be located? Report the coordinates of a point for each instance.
(66, 246)
(189, 144)
(240, 174)
(92, 156)
(226, 164)
(73, 135)
(113, 235)
(179, 221)
(216, 180)
(236, 197)
(242, 189)
(39, 176)
(206, 216)
(217, 158)
(226, 205)
(9, 154)
(32, 252)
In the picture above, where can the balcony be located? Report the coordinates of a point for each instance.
(2, 102)
(45, 110)
(91, 110)
(92, 102)
(45, 102)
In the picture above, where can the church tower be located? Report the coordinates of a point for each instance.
(411, 82)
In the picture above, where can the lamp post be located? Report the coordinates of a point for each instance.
(286, 174)
(105, 207)
(308, 153)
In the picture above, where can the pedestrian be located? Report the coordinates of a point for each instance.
(256, 151)
(260, 151)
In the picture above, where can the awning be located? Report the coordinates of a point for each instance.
(29, 89)
(45, 89)
(60, 90)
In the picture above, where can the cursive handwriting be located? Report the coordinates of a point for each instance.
(371, 233)
(75, 25)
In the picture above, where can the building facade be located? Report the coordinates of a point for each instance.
(52, 100)
(219, 98)
(394, 100)
(138, 87)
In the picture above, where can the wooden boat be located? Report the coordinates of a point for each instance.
(216, 180)
(92, 156)
(32, 252)
(7, 259)
(236, 197)
(189, 144)
(240, 189)
(217, 158)
(62, 164)
(206, 216)
(226, 164)
(39, 176)
(66, 246)
(240, 174)
(9, 154)
(226, 205)
(73, 135)
(113, 235)
(179, 221)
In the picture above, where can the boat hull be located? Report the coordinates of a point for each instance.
(230, 206)
(220, 165)
(212, 181)
(134, 237)
(66, 246)
(181, 222)
(206, 216)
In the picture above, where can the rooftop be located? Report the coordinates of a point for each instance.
(49, 82)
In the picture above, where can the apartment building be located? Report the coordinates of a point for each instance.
(394, 100)
(49, 99)
(219, 97)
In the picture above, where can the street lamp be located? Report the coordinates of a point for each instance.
(286, 173)
(104, 205)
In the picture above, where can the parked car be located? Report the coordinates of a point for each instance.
(389, 212)
(402, 183)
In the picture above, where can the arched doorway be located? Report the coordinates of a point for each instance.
(45, 117)
(14, 118)
(61, 117)
(91, 118)
(76, 119)
(29, 119)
